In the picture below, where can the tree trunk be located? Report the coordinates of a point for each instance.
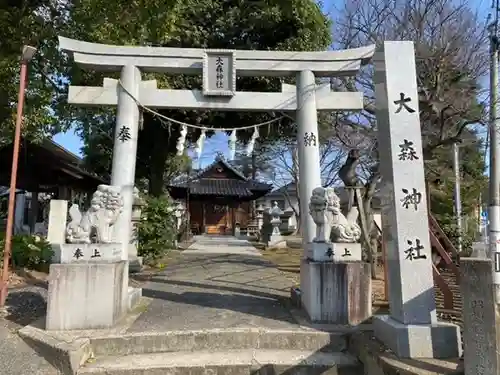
(366, 221)
(156, 182)
(158, 160)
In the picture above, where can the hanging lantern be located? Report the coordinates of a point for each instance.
(232, 145)
(199, 146)
(200, 142)
(251, 143)
(181, 141)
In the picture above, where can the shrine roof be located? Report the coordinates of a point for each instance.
(45, 165)
(219, 179)
(224, 187)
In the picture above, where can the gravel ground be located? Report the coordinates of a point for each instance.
(24, 305)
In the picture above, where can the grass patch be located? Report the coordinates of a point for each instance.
(287, 260)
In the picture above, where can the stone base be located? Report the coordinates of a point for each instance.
(134, 297)
(87, 295)
(333, 251)
(134, 264)
(336, 292)
(276, 241)
(438, 340)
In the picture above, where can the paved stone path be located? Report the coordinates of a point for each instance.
(221, 245)
(24, 305)
(228, 286)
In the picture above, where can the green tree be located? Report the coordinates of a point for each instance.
(472, 183)
(156, 233)
(32, 22)
(451, 54)
(235, 24)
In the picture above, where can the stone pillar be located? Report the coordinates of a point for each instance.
(33, 214)
(285, 219)
(481, 317)
(308, 144)
(19, 212)
(58, 218)
(125, 151)
(411, 330)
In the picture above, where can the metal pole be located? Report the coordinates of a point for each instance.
(458, 199)
(27, 55)
(494, 193)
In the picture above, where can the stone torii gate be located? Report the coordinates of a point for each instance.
(411, 329)
(220, 95)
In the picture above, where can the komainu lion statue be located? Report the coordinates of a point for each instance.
(331, 224)
(94, 226)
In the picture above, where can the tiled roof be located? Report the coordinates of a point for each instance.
(218, 186)
(237, 186)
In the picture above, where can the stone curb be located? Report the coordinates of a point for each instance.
(65, 356)
(377, 360)
(67, 351)
(218, 340)
(244, 362)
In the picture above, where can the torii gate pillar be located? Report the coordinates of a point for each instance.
(125, 149)
(308, 149)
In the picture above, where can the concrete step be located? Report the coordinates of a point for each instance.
(218, 340)
(234, 362)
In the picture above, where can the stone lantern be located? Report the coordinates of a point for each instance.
(271, 227)
(259, 215)
(180, 210)
(275, 215)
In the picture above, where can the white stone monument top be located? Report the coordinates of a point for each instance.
(105, 57)
(405, 215)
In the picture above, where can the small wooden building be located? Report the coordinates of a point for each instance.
(43, 167)
(47, 167)
(218, 198)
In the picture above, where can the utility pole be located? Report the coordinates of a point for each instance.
(27, 55)
(494, 188)
(458, 199)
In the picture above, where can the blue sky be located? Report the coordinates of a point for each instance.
(218, 142)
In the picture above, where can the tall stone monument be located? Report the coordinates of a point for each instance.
(481, 317)
(411, 329)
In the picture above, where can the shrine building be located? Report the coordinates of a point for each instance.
(218, 198)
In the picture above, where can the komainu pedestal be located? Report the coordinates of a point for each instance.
(88, 286)
(90, 295)
(336, 292)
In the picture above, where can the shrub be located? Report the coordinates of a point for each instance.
(156, 231)
(31, 252)
(450, 228)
